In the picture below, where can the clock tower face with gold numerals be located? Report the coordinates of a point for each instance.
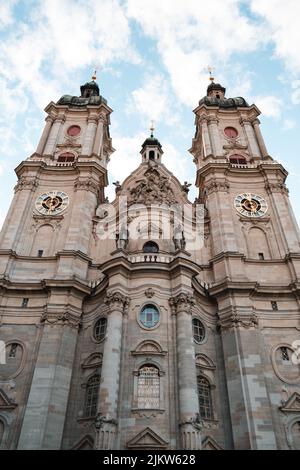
(250, 205)
(52, 203)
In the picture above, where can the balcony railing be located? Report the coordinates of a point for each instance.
(150, 258)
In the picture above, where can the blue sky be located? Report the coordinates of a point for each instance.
(152, 59)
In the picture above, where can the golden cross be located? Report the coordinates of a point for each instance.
(210, 71)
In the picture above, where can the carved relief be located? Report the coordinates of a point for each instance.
(182, 301)
(87, 185)
(238, 321)
(153, 188)
(117, 301)
(65, 318)
(26, 183)
(279, 187)
(217, 186)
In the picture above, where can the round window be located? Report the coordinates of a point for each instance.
(230, 132)
(100, 329)
(198, 330)
(73, 131)
(149, 316)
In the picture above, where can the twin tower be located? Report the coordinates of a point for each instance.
(123, 332)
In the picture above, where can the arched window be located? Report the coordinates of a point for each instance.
(198, 330)
(150, 247)
(148, 387)
(151, 155)
(204, 397)
(91, 396)
(66, 157)
(238, 159)
(100, 329)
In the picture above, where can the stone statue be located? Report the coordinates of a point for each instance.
(122, 237)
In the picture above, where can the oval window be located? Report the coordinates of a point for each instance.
(238, 159)
(149, 316)
(73, 131)
(150, 247)
(230, 132)
(198, 330)
(100, 329)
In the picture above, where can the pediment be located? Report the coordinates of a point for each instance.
(92, 361)
(5, 402)
(86, 443)
(152, 184)
(147, 439)
(292, 404)
(210, 444)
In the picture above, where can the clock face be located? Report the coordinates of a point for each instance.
(52, 203)
(250, 205)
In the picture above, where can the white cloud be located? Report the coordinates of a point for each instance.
(270, 106)
(6, 13)
(289, 124)
(190, 35)
(295, 96)
(153, 101)
(60, 37)
(282, 27)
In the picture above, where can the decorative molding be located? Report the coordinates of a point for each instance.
(217, 186)
(238, 321)
(152, 188)
(182, 302)
(106, 430)
(87, 185)
(117, 301)
(61, 318)
(26, 183)
(147, 439)
(292, 404)
(149, 293)
(40, 220)
(209, 443)
(278, 187)
(5, 402)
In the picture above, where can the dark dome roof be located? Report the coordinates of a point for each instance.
(216, 87)
(91, 86)
(224, 102)
(151, 141)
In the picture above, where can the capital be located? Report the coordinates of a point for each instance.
(182, 302)
(117, 301)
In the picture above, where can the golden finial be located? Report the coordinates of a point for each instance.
(152, 128)
(210, 71)
(94, 76)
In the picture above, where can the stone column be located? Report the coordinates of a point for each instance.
(53, 136)
(260, 139)
(13, 227)
(89, 137)
(99, 137)
(215, 137)
(249, 131)
(249, 402)
(205, 137)
(190, 425)
(44, 418)
(106, 421)
(44, 136)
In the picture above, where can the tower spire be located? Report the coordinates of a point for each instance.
(152, 128)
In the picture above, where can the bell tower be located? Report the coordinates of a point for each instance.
(45, 252)
(254, 255)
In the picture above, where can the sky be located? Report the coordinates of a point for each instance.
(152, 58)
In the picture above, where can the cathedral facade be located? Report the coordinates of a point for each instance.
(150, 322)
